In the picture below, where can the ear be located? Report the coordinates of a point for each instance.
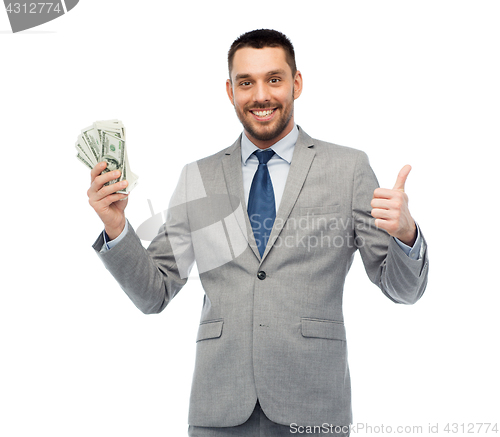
(229, 90)
(297, 85)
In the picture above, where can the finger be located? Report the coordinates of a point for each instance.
(383, 193)
(98, 190)
(387, 225)
(381, 203)
(383, 214)
(381, 223)
(400, 181)
(112, 198)
(104, 178)
(97, 170)
(108, 189)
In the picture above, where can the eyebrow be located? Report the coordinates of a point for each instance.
(241, 76)
(274, 72)
(247, 75)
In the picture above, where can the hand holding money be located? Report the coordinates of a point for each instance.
(104, 196)
(101, 147)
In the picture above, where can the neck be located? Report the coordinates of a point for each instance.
(265, 144)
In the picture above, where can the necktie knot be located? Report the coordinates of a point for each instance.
(264, 155)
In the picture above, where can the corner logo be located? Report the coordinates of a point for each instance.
(27, 14)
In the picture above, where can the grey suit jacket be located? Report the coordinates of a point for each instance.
(270, 328)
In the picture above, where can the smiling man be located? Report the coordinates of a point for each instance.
(262, 88)
(273, 222)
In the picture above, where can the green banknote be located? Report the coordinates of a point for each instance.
(105, 141)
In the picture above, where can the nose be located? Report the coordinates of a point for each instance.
(261, 93)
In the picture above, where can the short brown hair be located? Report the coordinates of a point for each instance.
(258, 39)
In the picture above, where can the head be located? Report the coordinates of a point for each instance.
(263, 84)
(258, 39)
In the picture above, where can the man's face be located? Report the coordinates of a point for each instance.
(262, 90)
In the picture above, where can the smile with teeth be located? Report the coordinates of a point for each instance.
(263, 113)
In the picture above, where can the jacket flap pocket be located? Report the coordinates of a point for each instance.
(329, 329)
(209, 329)
(319, 210)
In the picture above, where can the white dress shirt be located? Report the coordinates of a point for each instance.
(278, 165)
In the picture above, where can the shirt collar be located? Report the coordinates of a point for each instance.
(283, 148)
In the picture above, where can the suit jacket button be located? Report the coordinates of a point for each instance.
(261, 275)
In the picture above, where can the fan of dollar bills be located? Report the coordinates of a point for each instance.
(105, 141)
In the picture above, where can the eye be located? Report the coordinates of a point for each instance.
(275, 80)
(244, 83)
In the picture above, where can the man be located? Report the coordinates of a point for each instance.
(273, 223)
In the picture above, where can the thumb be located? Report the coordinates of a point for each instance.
(403, 174)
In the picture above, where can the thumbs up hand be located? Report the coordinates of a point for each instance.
(390, 210)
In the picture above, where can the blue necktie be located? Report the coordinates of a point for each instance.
(261, 206)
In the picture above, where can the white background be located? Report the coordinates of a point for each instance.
(407, 82)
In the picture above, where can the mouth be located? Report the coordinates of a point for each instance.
(263, 114)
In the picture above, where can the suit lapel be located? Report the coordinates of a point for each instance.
(303, 156)
(231, 164)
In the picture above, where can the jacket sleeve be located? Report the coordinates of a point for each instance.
(151, 278)
(401, 278)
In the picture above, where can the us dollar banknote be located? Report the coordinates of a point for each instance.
(105, 141)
